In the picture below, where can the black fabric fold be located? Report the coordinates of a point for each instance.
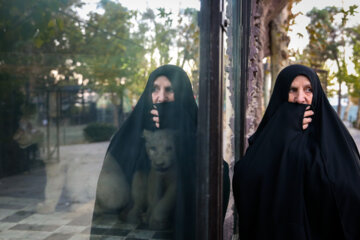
(268, 181)
(294, 183)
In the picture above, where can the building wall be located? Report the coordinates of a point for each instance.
(263, 12)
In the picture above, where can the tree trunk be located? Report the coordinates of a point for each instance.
(116, 116)
(115, 101)
(346, 112)
(357, 125)
(339, 100)
(339, 76)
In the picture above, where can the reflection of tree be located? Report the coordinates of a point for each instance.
(188, 44)
(112, 56)
(45, 45)
(163, 34)
(36, 38)
(122, 47)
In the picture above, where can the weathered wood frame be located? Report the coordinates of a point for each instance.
(209, 155)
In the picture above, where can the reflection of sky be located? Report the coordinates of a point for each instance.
(142, 5)
(170, 5)
(301, 21)
(173, 5)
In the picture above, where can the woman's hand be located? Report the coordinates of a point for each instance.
(307, 119)
(155, 118)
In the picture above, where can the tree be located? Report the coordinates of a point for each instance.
(354, 80)
(188, 39)
(121, 48)
(159, 37)
(35, 38)
(113, 57)
(327, 40)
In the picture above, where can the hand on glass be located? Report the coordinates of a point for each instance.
(155, 118)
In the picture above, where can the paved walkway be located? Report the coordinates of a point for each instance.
(79, 168)
(20, 194)
(355, 133)
(81, 164)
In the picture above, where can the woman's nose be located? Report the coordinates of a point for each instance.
(161, 97)
(301, 97)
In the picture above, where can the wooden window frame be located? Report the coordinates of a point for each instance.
(209, 154)
(209, 221)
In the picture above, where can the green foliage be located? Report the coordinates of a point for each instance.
(326, 35)
(37, 37)
(188, 36)
(114, 54)
(188, 42)
(327, 41)
(114, 50)
(354, 80)
(355, 40)
(161, 35)
(99, 132)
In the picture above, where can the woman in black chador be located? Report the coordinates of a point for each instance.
(299, 181)
(167, 103)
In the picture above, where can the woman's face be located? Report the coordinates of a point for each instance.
(300, 90)
(162, 90)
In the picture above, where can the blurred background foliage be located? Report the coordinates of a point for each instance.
(75, 69)
(330, 36)
(46, 44)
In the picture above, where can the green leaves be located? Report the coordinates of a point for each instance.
(328, 38)
(40, 37)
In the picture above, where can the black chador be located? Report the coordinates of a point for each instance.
(294, 183)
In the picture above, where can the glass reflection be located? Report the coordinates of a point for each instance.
(148, 175)
(72, 73)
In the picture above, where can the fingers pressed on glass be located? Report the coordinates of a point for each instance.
(156, 119)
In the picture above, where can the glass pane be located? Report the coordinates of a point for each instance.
(98, 136)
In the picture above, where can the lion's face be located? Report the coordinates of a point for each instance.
(161, 149)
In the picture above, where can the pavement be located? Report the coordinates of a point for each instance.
(20, 218)
(74, 188)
